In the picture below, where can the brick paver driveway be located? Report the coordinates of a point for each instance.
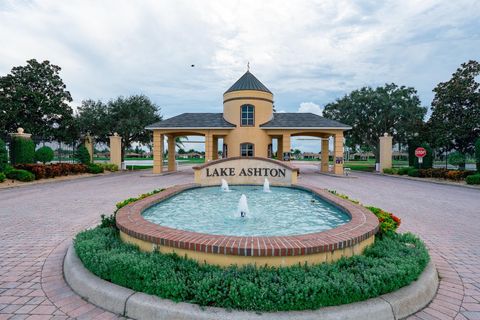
(37, 223)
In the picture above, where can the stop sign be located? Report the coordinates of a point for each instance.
(420, 152)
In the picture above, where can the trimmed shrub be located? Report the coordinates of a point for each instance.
(473, 179)
(22, 150)
(108, 166)
(412, 172)
(82, 155)
(402, 171)
(390, 171)
(3, 156)
(21, 175)
(427, 160)
(2, 177)
(95, 168)
(457, 159)
(390, 263)
(477, 154)
(44, 154)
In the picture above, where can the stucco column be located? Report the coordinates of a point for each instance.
(385, 152)
(285, 143)
(171, 153)
(116, 150)
(88, 143)
(325, 153)
(279, 148)
(208, 147)
(338, 153)
(157, 152)
(214, 148)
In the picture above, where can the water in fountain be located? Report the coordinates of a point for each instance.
(225, 187)
(266, 186)
(242, 209)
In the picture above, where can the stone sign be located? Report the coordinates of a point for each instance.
(245, 170)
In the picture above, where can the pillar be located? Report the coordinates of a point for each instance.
(208, 147)
(279, 148)
(338, 153)
(325, 154)
(157, 152)
(172, 165)
(116, 150)
(88, 143)
(285, 144)
(19, 151)
(215, 148)
(385, 152)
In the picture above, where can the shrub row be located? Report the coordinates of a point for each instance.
(440, 173)
(42, 171)
(21, 175)
(473, 179)
(389, 264)
(2, 177)
(108, 166)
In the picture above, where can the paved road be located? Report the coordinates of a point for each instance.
(38, 222)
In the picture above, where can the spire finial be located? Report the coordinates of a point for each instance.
(248, 66)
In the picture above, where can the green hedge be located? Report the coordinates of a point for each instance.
(2, 177)
(22, 150)
(412, 172)
(21, 175)
(95, 169)
(391, 263)
(477, 154)
(3, 156)
(44, 154)
(82, 155)
(473, 179)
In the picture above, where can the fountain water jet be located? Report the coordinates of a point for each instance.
(266, 186)
(225, 187)
(242, 209)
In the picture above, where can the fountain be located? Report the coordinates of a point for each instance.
(266, 186)
(225, 187)
(242, 209)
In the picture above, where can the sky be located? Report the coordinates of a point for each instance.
(308, 53)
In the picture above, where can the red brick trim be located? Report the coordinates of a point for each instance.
(363, 225)
(279, 163)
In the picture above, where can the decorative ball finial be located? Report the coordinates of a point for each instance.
(115, 134)
(20, 130)
(385, 134)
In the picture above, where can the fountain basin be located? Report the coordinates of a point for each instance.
(277, 250)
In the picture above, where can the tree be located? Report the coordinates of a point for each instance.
(129, 117)
(93, 118)
(44, 154)
(35, 98)
(372, 112)
(455, 120)
(457, 159)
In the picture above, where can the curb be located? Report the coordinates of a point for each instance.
(136, 305)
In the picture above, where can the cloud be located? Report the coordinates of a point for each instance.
(302, 50)
(310, 107)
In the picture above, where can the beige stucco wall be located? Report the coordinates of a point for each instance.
(263, 103)
(385, 152)
(226, 260)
